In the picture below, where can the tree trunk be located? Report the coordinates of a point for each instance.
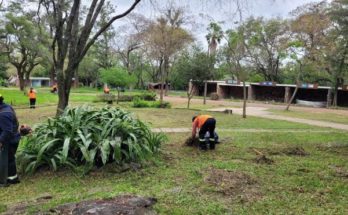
(292, 98)
(244, 99)
(205, 92)
(63, 93)
(162, 80)
(52, 76)
(296, 89)
(76, 78)
(188, 102)
(21, 81)
(27, 79)
(118, 95)
(64, 86)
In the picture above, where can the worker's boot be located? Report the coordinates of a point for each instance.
(216, 138)
(203, 145)
(212, 145)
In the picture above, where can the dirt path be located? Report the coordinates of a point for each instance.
(262, 112)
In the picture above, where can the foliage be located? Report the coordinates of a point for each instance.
(214, 36)
(117, 77)
(265, 42)
(88, 137)
(139, 103)
(147, 96)
(194, 64)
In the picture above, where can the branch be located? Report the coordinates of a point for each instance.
(106, 26)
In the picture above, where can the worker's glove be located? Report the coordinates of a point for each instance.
(24, 130)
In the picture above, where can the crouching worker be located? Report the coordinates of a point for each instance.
(9, 140)
(207, 135)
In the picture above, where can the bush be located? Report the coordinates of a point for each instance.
(147, 96)
(214, 96)
(139, 103)
(158, 104)
(88, 137)
(105, 98)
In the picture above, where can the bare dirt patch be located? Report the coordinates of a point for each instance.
(336, 148)
(125, 205)
(295, 151)
(193, 142)
(290, 151)
(339, 171)
(262, 159)
(237, 185)
(22, 207)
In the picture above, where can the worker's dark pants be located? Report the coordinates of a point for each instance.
(32, 103)
(208, 126)
(8, 167)
(12, 169)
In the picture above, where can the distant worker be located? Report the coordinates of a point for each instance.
(32, 97)
(9, 140)
(106, 90)
(54, 88)
(207, 135)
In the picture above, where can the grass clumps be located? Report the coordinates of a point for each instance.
(88, 137)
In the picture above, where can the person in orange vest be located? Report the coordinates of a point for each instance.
(207, 135)
(106, 90)
(32, 98)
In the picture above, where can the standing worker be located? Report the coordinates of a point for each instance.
(207, 135)
(9, 140)
(106, 89)
(32, 97)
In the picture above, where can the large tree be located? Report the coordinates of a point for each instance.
(235, 53)
(195, 65)
(265, 43)
(25, 47)
(72, 40)
(165, 37)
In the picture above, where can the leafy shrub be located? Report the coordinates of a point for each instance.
(158, 104)
(88, 137)
(105, 98)
(139, 103)
(147, 96)
(214, 96)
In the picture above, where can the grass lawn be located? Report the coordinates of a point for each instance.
(322, 116)
(188, 181)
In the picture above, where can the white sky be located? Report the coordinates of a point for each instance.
(223, 11)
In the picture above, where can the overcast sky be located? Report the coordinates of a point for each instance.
(223, 11)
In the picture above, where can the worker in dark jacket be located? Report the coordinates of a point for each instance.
(207, 135)
(9, 140)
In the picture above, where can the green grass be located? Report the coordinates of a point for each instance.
(184, 169)
(322, 116)
(177, 176)
(45, 97)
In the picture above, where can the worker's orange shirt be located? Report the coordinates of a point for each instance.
(32, 94)
(198, 122)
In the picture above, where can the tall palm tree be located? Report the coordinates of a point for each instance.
(214, 37)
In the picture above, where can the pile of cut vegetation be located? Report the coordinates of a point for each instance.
(88, 137)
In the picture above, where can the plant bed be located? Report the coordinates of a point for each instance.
(140, 103)
(88, 137)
